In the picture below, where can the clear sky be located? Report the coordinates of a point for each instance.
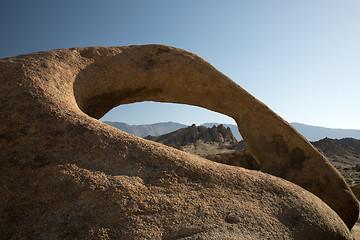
(301, 58)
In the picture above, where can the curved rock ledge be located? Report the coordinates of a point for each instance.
(64, 174)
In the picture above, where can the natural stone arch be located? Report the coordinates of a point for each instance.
(66, 175)
(165, 74)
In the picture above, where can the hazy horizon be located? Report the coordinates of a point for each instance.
(199, 124)
(301, 58)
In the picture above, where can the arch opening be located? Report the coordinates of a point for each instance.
(148, 112)
(184, 127)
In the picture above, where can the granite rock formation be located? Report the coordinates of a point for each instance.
(66, 175)
(192, 134)
(237, 158)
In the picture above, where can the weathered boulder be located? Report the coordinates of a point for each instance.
(237, 158)
(66, 175)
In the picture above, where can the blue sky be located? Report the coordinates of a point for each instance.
(301, 58)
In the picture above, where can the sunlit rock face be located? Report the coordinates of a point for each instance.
(66, 175)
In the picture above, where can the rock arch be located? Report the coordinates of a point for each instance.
(50, 146)
(165, 74)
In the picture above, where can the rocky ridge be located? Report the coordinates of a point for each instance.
(218, 144)
(335, 149)
(193, 134)
(201, 140)
(344, 154)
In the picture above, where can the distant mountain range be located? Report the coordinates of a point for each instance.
(312, 133)
(155, 129)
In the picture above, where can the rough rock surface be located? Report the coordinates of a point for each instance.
(237, 158)
(66, 175)
(356, 190)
